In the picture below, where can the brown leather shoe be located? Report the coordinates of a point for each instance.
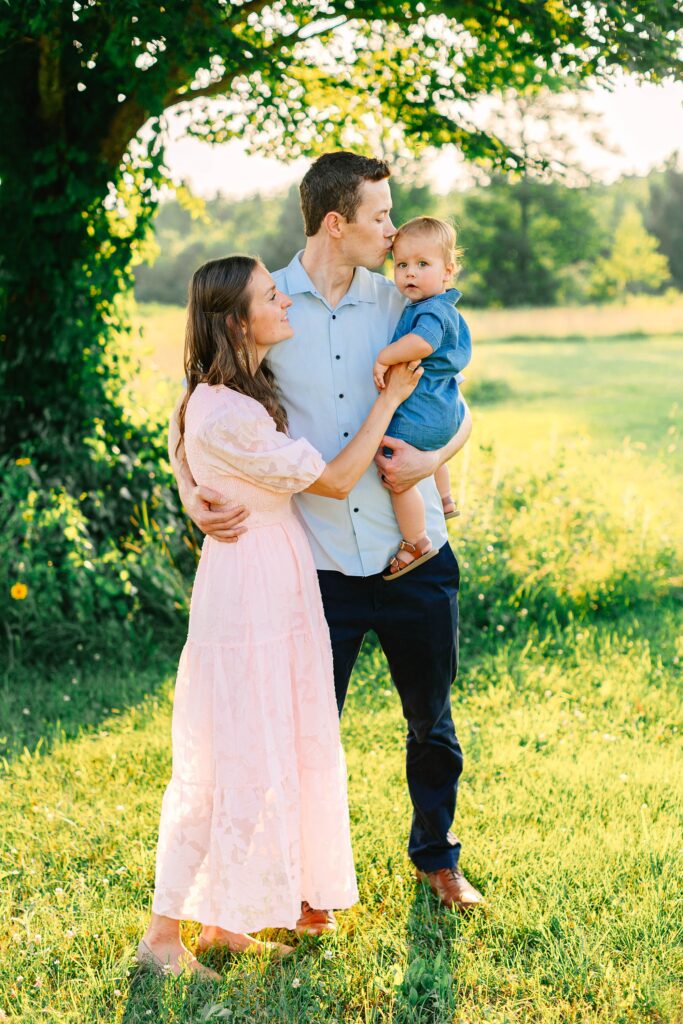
(452, 888)
(315, 922)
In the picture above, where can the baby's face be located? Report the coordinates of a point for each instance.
(420, 270)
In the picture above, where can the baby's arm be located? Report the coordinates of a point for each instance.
(404, 350)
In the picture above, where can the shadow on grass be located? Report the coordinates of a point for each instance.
(43, 704)
(427, 992)
(154, 998)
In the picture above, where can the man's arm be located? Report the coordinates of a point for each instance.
(206, 508)
(409, 465)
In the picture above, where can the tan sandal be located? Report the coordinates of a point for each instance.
(397, 567)
(450, 511)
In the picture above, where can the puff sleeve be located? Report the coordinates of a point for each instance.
(242, 439)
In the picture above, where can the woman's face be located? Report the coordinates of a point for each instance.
(268, 311)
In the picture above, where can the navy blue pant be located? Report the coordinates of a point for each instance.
(416, 621)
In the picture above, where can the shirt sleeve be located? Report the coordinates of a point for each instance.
(245, 442)
(430, 326)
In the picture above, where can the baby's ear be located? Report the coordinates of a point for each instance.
(450, 270)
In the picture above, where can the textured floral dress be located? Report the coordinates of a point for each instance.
(255, 817)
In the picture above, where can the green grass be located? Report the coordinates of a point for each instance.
(613, 392)
(567, 706)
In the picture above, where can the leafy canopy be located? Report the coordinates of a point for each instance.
(84, 85)
(293, 76)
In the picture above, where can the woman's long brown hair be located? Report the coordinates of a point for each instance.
(218, 350)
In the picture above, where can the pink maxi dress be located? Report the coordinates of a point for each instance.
(255, 817)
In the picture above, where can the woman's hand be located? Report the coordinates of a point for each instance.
(402, 379)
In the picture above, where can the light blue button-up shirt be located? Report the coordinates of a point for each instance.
(325, 378)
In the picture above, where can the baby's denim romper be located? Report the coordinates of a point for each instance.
(435, 410)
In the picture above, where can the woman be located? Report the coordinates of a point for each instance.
(255, 819)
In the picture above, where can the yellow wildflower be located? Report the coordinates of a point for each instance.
(19, 591)
(22, 462)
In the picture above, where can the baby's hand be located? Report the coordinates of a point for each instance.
(378, 372)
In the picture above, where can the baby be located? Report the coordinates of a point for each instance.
(430, 329)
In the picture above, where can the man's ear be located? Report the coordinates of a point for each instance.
(334, 223)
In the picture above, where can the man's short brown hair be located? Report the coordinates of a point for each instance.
(333, 183)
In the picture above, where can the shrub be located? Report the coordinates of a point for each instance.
(64, 580)
(540, 549)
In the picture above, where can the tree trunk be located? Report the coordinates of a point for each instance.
(61, 269)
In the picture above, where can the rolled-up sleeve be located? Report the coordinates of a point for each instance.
(430, 326)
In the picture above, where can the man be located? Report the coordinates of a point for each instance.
(342, 315)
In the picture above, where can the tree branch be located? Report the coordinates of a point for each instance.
(252, 7)
(219, 86)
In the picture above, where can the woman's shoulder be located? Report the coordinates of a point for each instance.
(209, 403)
(220, 396)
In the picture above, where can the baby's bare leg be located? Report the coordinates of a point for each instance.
(443, 482)
(409, 509)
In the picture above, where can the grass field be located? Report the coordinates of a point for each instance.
(567, 706)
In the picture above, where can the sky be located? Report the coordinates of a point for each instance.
(643, 122)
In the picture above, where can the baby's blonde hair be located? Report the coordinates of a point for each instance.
(439, 231)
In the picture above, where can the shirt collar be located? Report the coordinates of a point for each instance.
(361, 289)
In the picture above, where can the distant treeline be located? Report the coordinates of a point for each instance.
(526, 242)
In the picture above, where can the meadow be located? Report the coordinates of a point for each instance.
(567, 706)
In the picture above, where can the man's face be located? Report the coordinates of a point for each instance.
(368, 238)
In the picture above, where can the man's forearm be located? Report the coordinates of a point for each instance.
(458, 440)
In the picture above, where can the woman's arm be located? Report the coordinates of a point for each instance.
(207, 509)
(345, 470)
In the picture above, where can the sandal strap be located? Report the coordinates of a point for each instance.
(405, 545)
(395, 564)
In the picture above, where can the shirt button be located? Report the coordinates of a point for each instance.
(334, 316)
(355, 510)
(346, 433)
(341, 396)
(337, 357)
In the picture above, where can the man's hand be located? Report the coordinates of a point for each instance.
(210, 512)
(407, 466)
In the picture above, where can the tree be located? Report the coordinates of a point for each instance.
(634, 265)
(664, 216)
(531, 235)
(85, 84)
(526, 249)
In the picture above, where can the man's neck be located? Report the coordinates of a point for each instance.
(331, 277)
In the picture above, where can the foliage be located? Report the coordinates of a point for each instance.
(64, 583)
(527, 242)
(271, 228)
(81, 81)
(634, 265)
(664, 216)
